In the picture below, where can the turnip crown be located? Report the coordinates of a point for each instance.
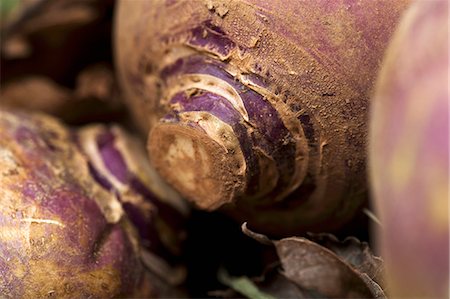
(222, 140)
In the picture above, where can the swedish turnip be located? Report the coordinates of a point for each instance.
(409, 154)
(60, 233)
(118, 162)
(66, 202)
(261, 104)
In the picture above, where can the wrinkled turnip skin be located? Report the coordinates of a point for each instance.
(119, 163)
(61, 234)
(314, 62)
(409, 154)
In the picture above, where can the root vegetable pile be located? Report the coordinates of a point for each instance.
(224, 149)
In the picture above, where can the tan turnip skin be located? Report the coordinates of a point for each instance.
(409, 154)
(82, 215)
(286, 151)
(60, 234)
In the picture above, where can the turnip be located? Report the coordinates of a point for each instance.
(258, 106)
(409, 154)
(62, 233)
(118, 162)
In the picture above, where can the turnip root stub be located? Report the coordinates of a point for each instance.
(258, 107)
(409, 154)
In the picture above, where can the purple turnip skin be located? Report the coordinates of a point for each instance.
(292, 79)
(119, 163)
(61, 234)
(409, 154)
(82, 213)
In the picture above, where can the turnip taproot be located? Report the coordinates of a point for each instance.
(63, 233)
(249, 102)
(409, 154)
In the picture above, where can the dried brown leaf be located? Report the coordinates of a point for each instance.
(354, 252)
(324, 266)
(275, 283)
(313, 267)
(263, 239)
